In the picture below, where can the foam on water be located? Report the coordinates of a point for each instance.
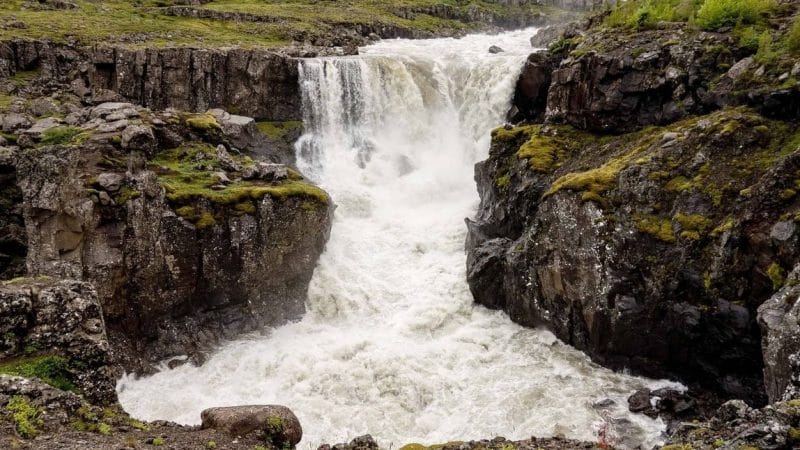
(392, 343)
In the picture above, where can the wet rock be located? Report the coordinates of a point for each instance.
(530, 95)
(495, 49)
(278, 423)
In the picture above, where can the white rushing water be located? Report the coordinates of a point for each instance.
(392, 343)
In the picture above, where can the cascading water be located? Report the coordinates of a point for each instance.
(392, 343)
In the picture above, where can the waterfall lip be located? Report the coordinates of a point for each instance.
(392, 343)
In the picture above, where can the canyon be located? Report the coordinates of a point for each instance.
(187, 227)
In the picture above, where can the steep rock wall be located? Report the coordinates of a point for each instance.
(256, 83)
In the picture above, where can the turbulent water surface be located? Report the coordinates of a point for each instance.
(392, 343)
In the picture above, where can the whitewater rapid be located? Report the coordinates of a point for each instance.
(392, 343)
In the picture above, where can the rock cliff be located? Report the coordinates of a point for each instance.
(647, 205)
(187, 239)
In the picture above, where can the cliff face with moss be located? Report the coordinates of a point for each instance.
(647, 204)
(186, 238)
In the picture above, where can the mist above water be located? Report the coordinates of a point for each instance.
(392, 343)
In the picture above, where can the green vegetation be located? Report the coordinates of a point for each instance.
(211, 444)
(708, 15)
(203, 122)
(87, 420)
(158, 441)
(678, 447)
(503, 181)
(643, 14)
(138, 425)
(693, 226)
(277, 130)
(793, 37)
(125, 194)
(658, 227)
(776, 275)
(715, 14)
(26, 417)
(546, 148)
(53, 370)
(185, 183)
(261, 23)
(60, 136)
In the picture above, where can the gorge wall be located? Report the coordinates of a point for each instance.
(650, 206)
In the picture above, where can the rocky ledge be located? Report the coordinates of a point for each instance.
(183, 224)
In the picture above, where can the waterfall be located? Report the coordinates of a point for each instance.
(392, 343)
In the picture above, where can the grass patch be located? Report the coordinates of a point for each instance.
(53, 370)
(60, 136)
(715, 14)
(793, 37)
(645, 14)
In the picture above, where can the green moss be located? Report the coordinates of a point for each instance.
(413, 446)
(707, 280)
(247, 208)
(776, 275)
(104, 429)
(126, 194)
(53, 370)
(211, 444)
(158, 441)
(678, 184)
(678, 447)
(793, 435)
(541, 153)
(658, 227)
(203, 122)
(205, 220)
(645, 14)
(185, 183)
(597, 180)
(787, 194)
(277, 130)
(590, 196)
(508, 135)
(719, 442)
(27, 418)
(693, 226)
(503, 181)
(792, 40)
(726, 225)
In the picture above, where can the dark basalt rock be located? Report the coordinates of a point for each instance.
(257, 83)
(616, 266)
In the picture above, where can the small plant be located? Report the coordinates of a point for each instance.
(26, 417)
(715, 14)
(211, 444)
(158, 441)
(793, 37)
(104, 429)
(776, 275)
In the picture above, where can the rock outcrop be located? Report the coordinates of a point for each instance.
(779, 318)
(258, 83)
(54, 330)
(647, 206)
(160, 211)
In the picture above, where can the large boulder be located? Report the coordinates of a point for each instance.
(278, 423)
